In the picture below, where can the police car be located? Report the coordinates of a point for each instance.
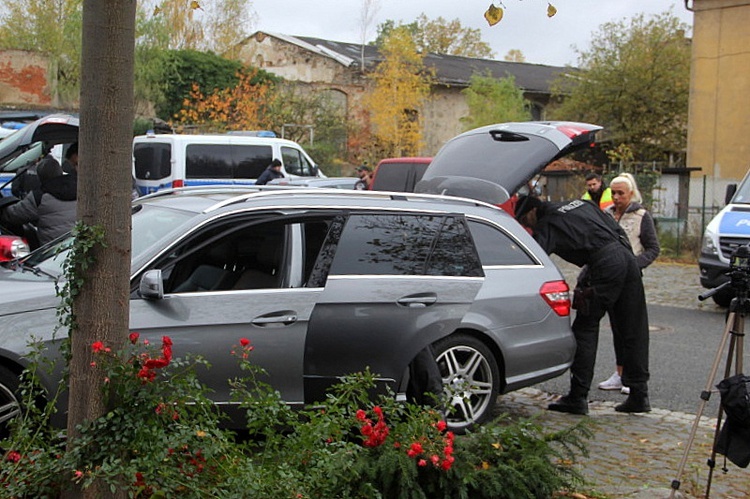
(728, 230)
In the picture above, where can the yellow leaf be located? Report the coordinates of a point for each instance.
(493, 14)
(497, 445)
(485, 465)
(195, 5)
(551, 10)
(157, 10)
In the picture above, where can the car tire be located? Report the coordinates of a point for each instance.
(10, 405)
(471, 380)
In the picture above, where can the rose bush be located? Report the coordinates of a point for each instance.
(163, 437)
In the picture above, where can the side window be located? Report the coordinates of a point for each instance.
(385, 244)
(295, 162)
(497, 248)
(250, 161)
(153, 161)
(208, 161)
(454, 254)
(229, 257)
(397, 244)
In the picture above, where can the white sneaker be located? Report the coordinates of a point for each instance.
(625, 390)
(613, 383)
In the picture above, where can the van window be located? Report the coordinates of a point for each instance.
(153, 161)
(250, 161)
(226, 161)
(208, 161)
(295, 163)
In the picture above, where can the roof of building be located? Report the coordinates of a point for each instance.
(449, 69)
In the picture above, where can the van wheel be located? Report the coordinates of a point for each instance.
(471, 380)
(10, 407)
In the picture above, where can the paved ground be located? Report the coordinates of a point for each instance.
(638, 455)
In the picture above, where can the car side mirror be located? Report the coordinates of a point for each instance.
(731, 189)
(151, 286)
(315, 170)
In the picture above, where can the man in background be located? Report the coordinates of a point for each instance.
(597, 192)
(273, 171)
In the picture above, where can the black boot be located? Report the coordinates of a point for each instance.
(636, 402)
(570, 405)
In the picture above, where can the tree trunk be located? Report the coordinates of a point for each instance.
(104, 183)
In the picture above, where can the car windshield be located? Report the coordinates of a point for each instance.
(743, 192)
(150, 224)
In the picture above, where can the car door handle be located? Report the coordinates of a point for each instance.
(418, 300)
(280, 319)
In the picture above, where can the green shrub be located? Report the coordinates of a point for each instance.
(163, 438)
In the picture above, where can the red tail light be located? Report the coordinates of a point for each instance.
(557, 296)
(12, 247)
(178, 183)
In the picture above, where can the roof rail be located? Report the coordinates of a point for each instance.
(317, 191)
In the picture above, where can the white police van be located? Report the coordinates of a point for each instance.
(729, 229)
(162, 161)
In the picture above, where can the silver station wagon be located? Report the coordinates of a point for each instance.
(326, 282)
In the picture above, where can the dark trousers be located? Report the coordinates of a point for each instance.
(614, 282)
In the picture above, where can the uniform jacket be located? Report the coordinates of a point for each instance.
(52, 208)
(576, 230)
(639, 226)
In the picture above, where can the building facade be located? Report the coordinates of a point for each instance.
(341, 70)
(719, 96)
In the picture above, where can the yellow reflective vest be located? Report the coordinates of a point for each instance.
(604, 201)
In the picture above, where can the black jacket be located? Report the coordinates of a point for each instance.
(576, 230)
(268, 175)
(52, 208)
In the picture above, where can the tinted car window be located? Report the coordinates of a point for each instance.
(395, 244)
(497, 248)
(153, 161)
(399, 177)
(454, 254)
(295, 163)
(250, 161)
(208, 161)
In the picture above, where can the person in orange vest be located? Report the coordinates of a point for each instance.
(596, 192)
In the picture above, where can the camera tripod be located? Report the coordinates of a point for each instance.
(734, 333)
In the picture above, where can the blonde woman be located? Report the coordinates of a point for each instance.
(639, 226)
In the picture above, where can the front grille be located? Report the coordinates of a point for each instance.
(727, 245)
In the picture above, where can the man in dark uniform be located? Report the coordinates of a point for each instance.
(581, 234)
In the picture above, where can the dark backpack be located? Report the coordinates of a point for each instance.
(734, 439)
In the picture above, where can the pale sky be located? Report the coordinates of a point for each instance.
(525, 25)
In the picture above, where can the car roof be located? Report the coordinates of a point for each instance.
(228, 198)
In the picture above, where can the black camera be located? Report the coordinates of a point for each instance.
(740, 259)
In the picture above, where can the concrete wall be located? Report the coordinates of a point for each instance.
(24, 79)
(720, 92)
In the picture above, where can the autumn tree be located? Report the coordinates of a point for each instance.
(239, 107)
(633, 80)
(440, 37)
(52, 28)
(494, 100)
(514, 55)
(401, 84)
